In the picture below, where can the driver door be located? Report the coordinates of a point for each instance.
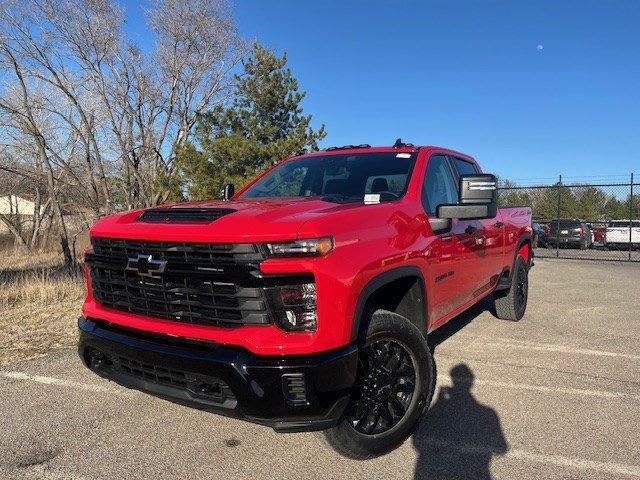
(449, 257)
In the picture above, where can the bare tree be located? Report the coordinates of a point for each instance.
(95, 120)
(151, 100)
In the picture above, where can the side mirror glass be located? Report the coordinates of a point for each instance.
(228, 190)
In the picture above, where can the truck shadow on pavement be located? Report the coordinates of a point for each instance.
(457, 323)
(458, 437)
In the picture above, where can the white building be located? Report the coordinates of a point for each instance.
(15, 205)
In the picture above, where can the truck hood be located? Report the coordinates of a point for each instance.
(252, 220)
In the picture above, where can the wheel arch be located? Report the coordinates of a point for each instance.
(524, 244)
(401, 290)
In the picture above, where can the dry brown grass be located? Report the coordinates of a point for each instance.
(39, 305)
(36, 280)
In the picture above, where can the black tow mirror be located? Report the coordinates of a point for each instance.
(228, 189)
(478, 198)
(479, 188)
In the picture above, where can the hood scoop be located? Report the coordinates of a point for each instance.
(183, 215)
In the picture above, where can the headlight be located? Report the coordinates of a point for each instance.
(301, 248)
(294, 306)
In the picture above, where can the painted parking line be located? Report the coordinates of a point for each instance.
(62, 383)
(606, 468)
(481, 341)
(513, 454)
(605, 394)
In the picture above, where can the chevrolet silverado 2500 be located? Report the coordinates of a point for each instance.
(303, 302)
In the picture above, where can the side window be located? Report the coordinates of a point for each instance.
(439, 185)
(463, 167)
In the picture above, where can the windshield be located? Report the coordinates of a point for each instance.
(338, 178)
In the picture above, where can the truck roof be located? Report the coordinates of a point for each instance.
(384, 148)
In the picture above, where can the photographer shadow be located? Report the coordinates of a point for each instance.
(459, 436)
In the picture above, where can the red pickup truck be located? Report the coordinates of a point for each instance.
(303, 301)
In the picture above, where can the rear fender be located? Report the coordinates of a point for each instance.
(525, 250)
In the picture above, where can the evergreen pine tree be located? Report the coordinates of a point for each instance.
(264, 123)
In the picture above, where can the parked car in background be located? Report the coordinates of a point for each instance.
(591, 230)
(617, 234)
(540, 234)
(599, 232)
(570, 232)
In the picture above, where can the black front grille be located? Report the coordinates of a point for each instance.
(198, 285)
(181, 298)
(183, 215)
(218, 253)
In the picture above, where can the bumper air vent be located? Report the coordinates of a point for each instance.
(294, 388)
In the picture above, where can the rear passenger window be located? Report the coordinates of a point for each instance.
(439, 185)
(464, 168)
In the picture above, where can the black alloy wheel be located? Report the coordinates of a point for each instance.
(395, 381)
(511, 304)
(384, 387)
(521, 290)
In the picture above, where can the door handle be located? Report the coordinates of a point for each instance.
(499, 224)
(470, 230)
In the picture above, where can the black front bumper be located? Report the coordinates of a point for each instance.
(289, 394)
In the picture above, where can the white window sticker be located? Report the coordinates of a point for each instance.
(371, 198)
(403, 155)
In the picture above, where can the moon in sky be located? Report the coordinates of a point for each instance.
(540, 47)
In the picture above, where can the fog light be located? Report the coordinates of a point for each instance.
(294, 306)
(97, 360)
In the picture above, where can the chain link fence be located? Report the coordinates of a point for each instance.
(590, 221)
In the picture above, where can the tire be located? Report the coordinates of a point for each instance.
(512, 303)
(358, 435)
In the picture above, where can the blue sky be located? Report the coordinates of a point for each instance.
(530, 88)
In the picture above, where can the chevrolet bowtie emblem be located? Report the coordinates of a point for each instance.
(146, 266)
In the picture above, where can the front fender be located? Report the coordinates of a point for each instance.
(379, 281)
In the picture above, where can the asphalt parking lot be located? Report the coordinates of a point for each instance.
(556, 395)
